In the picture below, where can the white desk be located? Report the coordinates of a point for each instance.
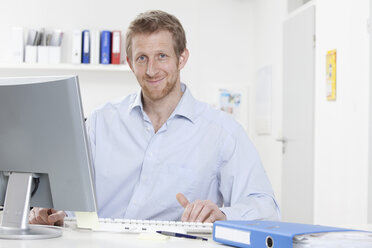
(75, 238)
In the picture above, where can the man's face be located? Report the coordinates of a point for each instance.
(155, 64)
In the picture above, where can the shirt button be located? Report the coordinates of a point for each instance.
(148, 128)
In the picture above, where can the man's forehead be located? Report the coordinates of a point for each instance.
(160, 34)
(154, 41)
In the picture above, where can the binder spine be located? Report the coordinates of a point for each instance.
(264, 234)
(105, 47)
(86, 47)
(94, 46)
(76, 47)
(116, 47)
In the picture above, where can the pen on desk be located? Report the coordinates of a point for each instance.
(181, 235)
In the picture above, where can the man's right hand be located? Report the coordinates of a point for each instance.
(46, 216)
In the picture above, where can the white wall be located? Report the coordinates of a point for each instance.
(268, 49)
(341, 126)
(219, 38)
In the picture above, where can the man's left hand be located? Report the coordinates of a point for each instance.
(200, 211)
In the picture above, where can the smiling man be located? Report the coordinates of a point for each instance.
(160, 153)
(157, 66)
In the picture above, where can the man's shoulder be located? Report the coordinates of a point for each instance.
(219, 119)
(116, 105)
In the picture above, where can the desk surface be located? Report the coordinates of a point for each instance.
(84, 238)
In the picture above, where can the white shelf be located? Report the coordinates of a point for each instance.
(77, 67)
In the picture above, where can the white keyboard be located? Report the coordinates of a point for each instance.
(147, 226)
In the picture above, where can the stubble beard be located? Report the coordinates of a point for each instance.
(156, 95)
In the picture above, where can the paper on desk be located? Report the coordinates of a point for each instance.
(87, 220)
(344, 239)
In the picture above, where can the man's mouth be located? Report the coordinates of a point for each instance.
(154, 81)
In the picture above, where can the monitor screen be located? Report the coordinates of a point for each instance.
(42, 132)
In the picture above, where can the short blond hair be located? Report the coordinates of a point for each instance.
(153, 21)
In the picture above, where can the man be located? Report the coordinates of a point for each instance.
(161, 154)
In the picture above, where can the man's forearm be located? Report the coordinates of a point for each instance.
(253, 207)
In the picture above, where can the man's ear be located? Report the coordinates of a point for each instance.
(129, 63)
(183, 58)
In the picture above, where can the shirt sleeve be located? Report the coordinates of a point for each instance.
(244, 185)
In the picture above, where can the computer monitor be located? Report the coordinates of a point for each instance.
(42, 139)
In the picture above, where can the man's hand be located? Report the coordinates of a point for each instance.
(200, 211)
(46, 216)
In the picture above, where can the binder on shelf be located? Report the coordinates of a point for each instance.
(116, 47)
(265, 234)
(85, 58)
(94, 46)
(76, 47)
(105, 47)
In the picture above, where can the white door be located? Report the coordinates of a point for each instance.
(298, 117)
(369, 215)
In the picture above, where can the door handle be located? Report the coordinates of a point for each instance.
(284, 141)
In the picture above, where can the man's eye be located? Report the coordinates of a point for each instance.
(141, 58)
(162, 55)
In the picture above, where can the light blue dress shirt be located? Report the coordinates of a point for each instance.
(199, 151)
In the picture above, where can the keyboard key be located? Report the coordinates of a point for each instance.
(149, 226)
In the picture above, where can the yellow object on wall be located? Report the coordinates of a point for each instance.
(331, 75)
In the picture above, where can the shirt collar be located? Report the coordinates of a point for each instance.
(137, 101)
(186, 107)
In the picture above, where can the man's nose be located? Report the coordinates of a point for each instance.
(152, 68)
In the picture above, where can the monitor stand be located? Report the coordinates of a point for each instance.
(16, 211)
